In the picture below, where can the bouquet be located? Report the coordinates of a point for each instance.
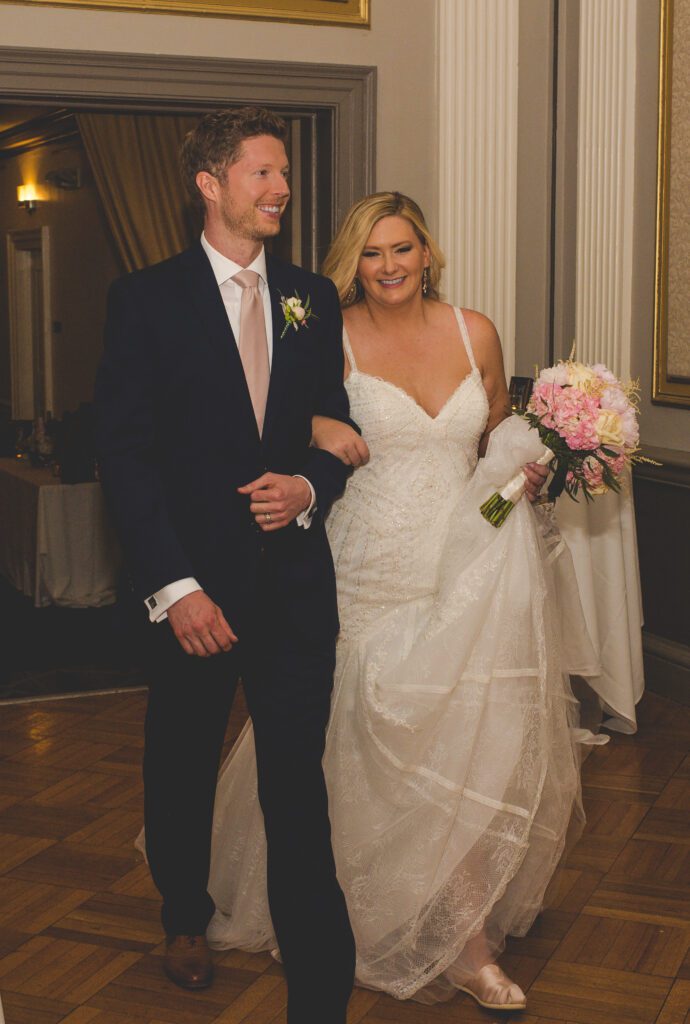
(587, 422)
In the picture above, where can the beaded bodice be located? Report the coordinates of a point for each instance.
(413, 480)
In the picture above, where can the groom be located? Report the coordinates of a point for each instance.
(214, 364)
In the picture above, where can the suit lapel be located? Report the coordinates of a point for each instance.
(279, 287)
(199, 281)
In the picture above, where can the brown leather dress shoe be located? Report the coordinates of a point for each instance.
(188, 961)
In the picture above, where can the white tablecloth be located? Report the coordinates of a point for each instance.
(602, 538)
(56, 544)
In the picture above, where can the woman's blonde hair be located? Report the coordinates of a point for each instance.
(347, 246)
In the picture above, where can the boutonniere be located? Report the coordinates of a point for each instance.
(296, 313)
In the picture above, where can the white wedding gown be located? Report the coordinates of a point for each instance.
(451, 757)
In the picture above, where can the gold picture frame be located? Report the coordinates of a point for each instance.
(668, 386)
(319, 12)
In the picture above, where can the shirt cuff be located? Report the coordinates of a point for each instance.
(159, 602)
(304, 518)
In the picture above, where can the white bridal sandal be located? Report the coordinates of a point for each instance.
(494, 990)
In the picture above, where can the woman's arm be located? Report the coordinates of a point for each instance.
(489, 356)
(327, 474)
(487, 350)
(340, 440)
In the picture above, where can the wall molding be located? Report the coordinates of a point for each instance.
(605, 182)
(477, 45)
(535, 211)
(662, 504)
(667, 667)
(670, 650)
(673, 468)
(99, 81)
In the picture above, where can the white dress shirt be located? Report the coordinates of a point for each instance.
(224, 270)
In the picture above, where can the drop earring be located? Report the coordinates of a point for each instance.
(353, 292)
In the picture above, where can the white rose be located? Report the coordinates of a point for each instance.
(578, 374)
(614, 398)
(603, 373)
(298, 312)
(557, 374)
(609, 427)
(292, 302)
(630, 428)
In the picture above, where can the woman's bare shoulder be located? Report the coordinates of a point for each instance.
(353, 317)
(440, 312)
(486, 344)
(479, 325)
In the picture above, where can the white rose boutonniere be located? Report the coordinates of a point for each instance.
(296, 313)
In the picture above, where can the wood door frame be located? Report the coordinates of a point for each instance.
(146, 82)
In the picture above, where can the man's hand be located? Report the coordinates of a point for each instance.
(200, 625)
(276, 499)
(340, 440)
(536, 475)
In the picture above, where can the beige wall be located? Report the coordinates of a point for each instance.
(83, 263)
(400, 44)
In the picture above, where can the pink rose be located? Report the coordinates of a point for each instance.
(593, 473)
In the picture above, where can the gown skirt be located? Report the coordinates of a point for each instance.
(453, 750)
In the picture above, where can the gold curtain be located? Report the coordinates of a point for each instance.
(134, 159)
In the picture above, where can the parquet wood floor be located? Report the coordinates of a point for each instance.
(80, 938)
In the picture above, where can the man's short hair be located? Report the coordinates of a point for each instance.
(216, 142)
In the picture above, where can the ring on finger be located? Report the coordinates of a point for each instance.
(267, 516)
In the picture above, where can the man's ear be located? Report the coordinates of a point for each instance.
(207, 185)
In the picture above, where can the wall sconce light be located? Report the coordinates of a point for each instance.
(27, 197)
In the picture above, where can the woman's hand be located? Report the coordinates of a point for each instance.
(340, 440)
(536, 475)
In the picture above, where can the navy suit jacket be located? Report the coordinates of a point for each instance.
(176, 437)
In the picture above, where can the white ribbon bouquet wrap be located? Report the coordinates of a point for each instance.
(512, 445)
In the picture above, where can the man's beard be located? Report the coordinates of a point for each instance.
(247, 226)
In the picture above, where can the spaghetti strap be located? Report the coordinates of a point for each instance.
(465, 336)
(347, 348)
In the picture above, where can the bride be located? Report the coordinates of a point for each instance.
(451, 756)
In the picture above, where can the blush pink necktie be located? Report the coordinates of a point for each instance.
(253, 345)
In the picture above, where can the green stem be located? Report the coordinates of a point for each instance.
(496, 509)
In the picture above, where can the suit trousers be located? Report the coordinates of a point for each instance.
(287, 682)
